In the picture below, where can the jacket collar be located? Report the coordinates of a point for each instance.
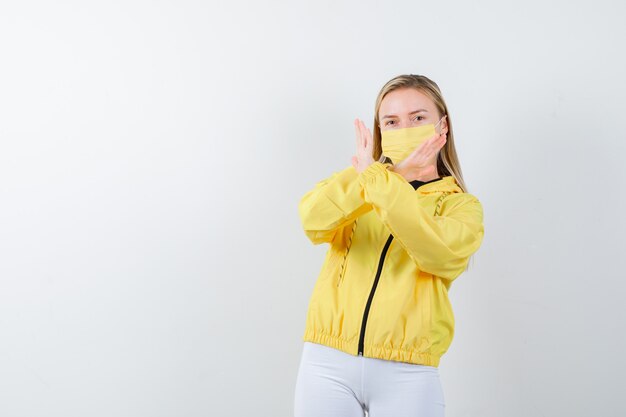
(444, 184)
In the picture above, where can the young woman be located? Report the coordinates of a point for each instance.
(401, 228)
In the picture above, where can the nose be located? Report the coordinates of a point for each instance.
(406, 123)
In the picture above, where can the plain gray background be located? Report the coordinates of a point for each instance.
(153, 153)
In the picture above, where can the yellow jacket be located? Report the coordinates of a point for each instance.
(394, 251)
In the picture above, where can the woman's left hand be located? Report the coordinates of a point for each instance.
(364, 147)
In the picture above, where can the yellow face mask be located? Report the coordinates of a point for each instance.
(397, 144)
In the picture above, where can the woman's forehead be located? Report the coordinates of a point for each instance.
(405, 101)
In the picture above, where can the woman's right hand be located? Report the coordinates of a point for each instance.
(364, 147)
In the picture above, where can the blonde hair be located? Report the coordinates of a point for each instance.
(447, 160)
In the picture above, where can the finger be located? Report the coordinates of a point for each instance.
(363, 137)
(429, 148)
(434, 144)
(365, 133)
(369, 139)
(357, 131)
(359, 134)
(426, 148)
(444, 139)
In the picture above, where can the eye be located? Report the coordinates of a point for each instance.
(418, 117)
(387, 122)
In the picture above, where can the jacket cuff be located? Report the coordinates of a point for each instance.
(372, 171)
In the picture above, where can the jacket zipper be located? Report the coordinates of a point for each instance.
(378, 272)
(371, 296)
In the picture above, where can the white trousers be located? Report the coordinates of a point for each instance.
(333, 383)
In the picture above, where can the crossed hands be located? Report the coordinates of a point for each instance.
(420, 163)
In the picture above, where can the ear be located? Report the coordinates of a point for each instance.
(444, 124)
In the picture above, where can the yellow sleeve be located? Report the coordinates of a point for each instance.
(333, 203)
(439, 245)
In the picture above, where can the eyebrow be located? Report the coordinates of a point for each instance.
(413, 112)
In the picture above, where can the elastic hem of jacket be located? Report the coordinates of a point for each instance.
(377, 352)
(375, 168)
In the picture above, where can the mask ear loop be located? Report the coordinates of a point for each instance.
(443, 117)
